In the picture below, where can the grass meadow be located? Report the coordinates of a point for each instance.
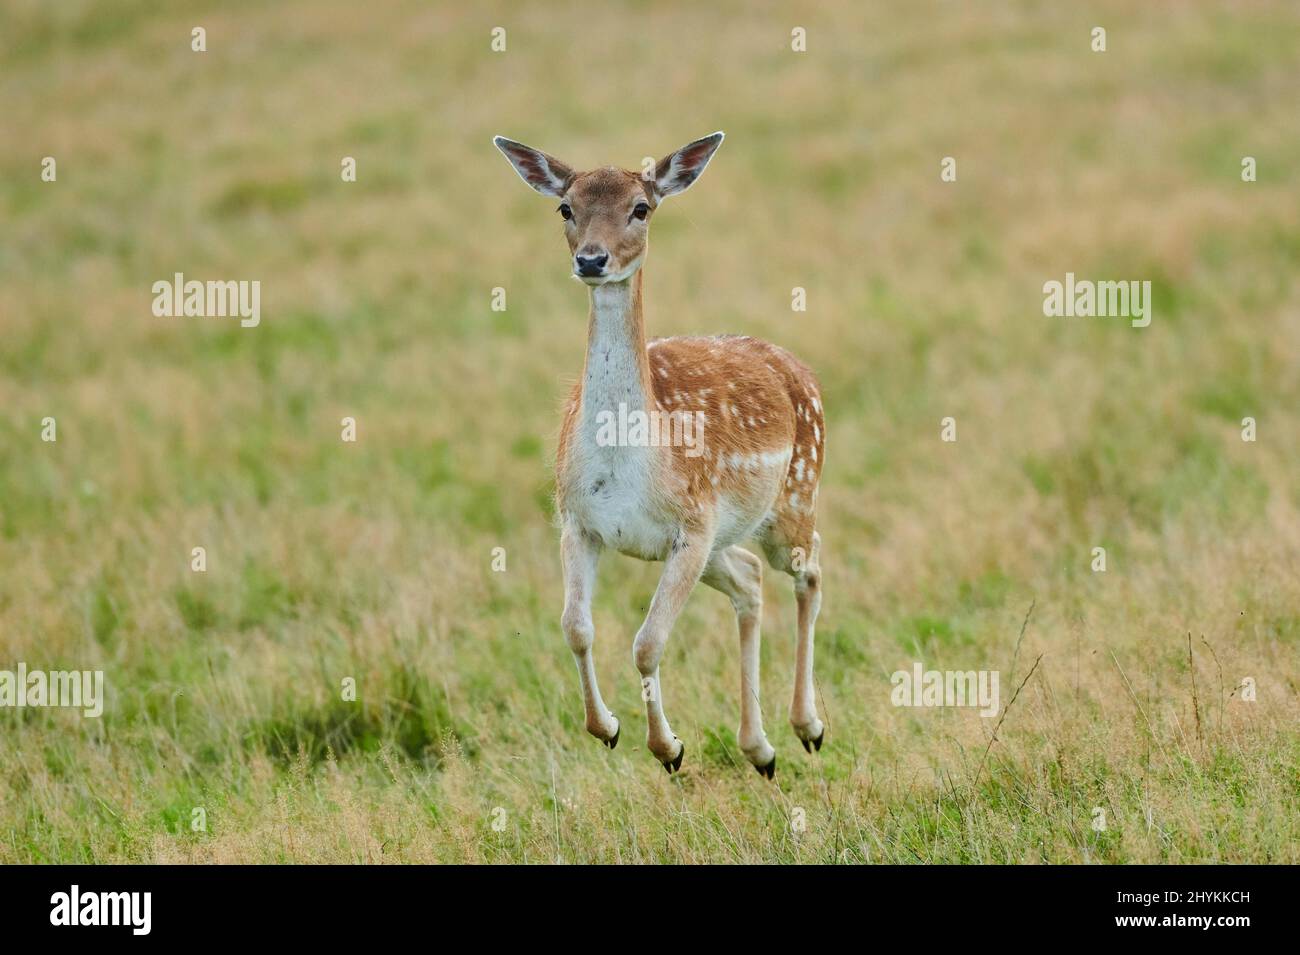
(373, 560)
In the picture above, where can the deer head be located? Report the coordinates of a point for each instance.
(607, 211)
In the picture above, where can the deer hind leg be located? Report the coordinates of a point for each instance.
(798, 554)
(681, 573)
(578, 555)
(739, 574)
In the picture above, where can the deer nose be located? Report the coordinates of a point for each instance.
(591, 264)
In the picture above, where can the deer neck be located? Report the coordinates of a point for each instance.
(617, 369)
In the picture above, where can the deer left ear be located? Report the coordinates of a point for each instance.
(678, 170)
(544, 173)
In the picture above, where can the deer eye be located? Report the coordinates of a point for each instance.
(565, 211)
(641, 211)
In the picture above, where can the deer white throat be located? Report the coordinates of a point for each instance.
(617, 369)
(616, 481)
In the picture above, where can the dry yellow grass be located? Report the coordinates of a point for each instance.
(373, 560)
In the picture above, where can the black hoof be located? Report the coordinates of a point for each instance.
(673, 765)
(613, 740)
(807, 747)
(817, 743)
(769, 770)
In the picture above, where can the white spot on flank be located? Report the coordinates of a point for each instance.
(794, 500)
(776, 458)
(817, 434)
(798, 470)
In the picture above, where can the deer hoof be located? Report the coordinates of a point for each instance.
(807, 747)
(769, 770)
(817, 743)
(613, 740)
(673, 765)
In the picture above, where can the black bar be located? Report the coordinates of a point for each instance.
(334, 903)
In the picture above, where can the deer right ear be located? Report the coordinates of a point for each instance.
(544, 173)
(678, 170)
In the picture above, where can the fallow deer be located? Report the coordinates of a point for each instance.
(763, 440)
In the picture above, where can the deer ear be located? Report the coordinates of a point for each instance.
(678, 170)
(544, 173)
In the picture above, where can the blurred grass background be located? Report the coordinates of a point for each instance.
(373, 560)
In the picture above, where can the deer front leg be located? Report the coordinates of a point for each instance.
(578, 555)
(682, 571)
